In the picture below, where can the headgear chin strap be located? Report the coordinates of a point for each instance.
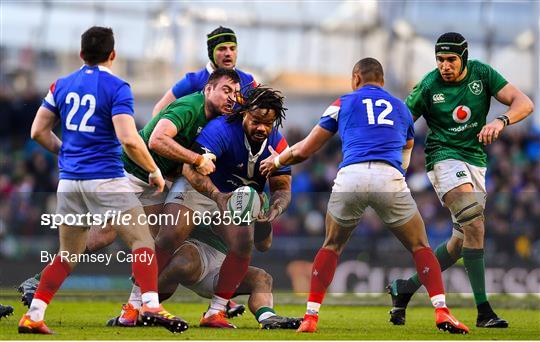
(454, 43)
(221, 35)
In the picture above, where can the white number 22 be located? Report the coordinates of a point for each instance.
(87, 99)
(381, 119)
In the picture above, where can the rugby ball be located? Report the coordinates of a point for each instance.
(244, 204)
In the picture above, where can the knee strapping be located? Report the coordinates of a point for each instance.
(466, 209)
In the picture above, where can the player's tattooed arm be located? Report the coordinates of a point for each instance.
(205, 186)
(42, 130)
(280, 189)
(162, 142)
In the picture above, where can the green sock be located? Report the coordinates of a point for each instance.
(445, 260)
(263, 310)
(473, 259)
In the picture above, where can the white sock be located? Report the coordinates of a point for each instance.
(438, 301)
(37, 310)
(216, 305)
(135, 297)
(313, 308)
(150, 299)
(266, 315)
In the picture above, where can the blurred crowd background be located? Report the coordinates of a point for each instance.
(304, 49)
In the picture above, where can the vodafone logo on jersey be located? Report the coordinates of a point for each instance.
(461, 114)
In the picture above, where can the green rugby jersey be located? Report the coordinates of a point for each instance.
(187, 114)
(205, 234)
(455, 112)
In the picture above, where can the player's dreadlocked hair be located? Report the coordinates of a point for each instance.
(260, 97)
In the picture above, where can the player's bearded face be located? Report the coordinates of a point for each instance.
(258, 123)
(449, 66)
(221, 96)
(225, 56)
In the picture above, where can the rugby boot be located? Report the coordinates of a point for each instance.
(27, 289)
(160, 316)
(491, 322)
(218, 320)
(309, 324)
(27, 326)
(400, 300)
(280, 322)
(129, 316)
(446, 322)
(5, 310)
(234, 309)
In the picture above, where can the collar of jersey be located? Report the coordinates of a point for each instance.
(252, 159)
(248, 147)
(210, 67)
(100, 67)
(370, 85)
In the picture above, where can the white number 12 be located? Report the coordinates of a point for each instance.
(381, 119)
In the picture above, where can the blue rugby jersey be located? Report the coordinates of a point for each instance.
(236, 164)
(373, 126)
(85, 102)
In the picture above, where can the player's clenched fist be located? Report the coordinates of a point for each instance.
(491, 132)
(156, 179)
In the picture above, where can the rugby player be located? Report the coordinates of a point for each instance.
(239, 142)
(95, 109)
(454, 99)
(377, 133)
(222, 53)
(168, 137)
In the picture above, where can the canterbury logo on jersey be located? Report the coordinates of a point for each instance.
(243, 181)
(461, 174)
(438, 98)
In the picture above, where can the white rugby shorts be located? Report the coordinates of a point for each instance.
(95, 196)
(147, 194)
(184, 194)
(451, 173)
(374, 184)
(211, 260)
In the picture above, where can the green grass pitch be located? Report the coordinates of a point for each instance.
(80, 320)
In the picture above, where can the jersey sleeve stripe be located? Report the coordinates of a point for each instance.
(282, 145)
(332, 111)
(50, 98)
(46, 104)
